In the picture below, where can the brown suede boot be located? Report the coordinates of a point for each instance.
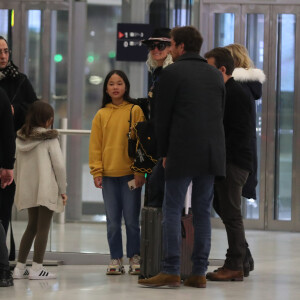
(161, 279)
(223, 274)
(196, 281)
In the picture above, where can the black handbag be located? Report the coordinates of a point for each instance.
(131, 142)
(146, 156)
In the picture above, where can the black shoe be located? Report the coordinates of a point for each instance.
(251, 263)
(248, 265)
(6, 278)
(250, 259)
(246, 269)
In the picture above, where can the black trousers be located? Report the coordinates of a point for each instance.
(6, 202)
(227, 204)
(4, 265)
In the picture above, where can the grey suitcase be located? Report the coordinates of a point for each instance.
(151, 243)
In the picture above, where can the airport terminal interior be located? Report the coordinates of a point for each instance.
(67, 47)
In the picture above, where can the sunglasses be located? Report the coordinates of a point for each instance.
(160, 46)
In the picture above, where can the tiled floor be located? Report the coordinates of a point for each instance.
(276, 275)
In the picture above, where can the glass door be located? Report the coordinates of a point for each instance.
(245, 25)
(38, 34)
(46, 64)
(282, 165)
(270, 34)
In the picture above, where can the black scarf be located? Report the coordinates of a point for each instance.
(10, 71)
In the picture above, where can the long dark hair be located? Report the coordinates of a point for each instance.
(37, 116)
(106, 98)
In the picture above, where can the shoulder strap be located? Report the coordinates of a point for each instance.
(130, 117)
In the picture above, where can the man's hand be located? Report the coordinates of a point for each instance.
(7, 177)
(139, 180)
(98, 182)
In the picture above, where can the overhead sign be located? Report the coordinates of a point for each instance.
(129, 45)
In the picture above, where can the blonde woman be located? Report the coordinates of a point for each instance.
(146, 161)
(251, 80)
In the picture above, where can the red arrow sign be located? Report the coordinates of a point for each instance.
(120, 34)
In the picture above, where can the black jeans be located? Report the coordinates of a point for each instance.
(227, 204)
(6, 202)
(4, 265)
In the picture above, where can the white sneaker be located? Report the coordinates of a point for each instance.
(115, 267)
(134, 265)
(20, 273)
(41, 274)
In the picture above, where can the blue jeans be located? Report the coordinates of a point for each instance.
(202, 193)
(118, 200)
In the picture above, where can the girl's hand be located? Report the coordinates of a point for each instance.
(98, 182)
(139, 180)
(64, 198)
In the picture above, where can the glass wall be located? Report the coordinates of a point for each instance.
(34, 65)
(101, 32)
(100, 58)
(59, 64)
(180, 13)
(255, 45)
(223, 29)
(4, 22)
(284, 115)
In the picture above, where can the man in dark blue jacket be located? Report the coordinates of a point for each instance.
(239, 162)
(190, 137)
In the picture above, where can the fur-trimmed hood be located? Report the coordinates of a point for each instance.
(245, 75)
(38, 135)
(252, 79)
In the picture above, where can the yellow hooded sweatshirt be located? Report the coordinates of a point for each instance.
(108, 150)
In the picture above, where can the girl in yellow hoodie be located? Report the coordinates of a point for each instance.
(110, 166)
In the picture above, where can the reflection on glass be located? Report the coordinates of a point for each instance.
(180, 12)
(4, 22)
(100, 47)
(224, 29)
(59, 64)
(255, 46)
(284, 115)
(34, 64)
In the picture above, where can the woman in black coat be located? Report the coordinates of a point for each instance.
(146, 160)
(20, 94)
(251, 80)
